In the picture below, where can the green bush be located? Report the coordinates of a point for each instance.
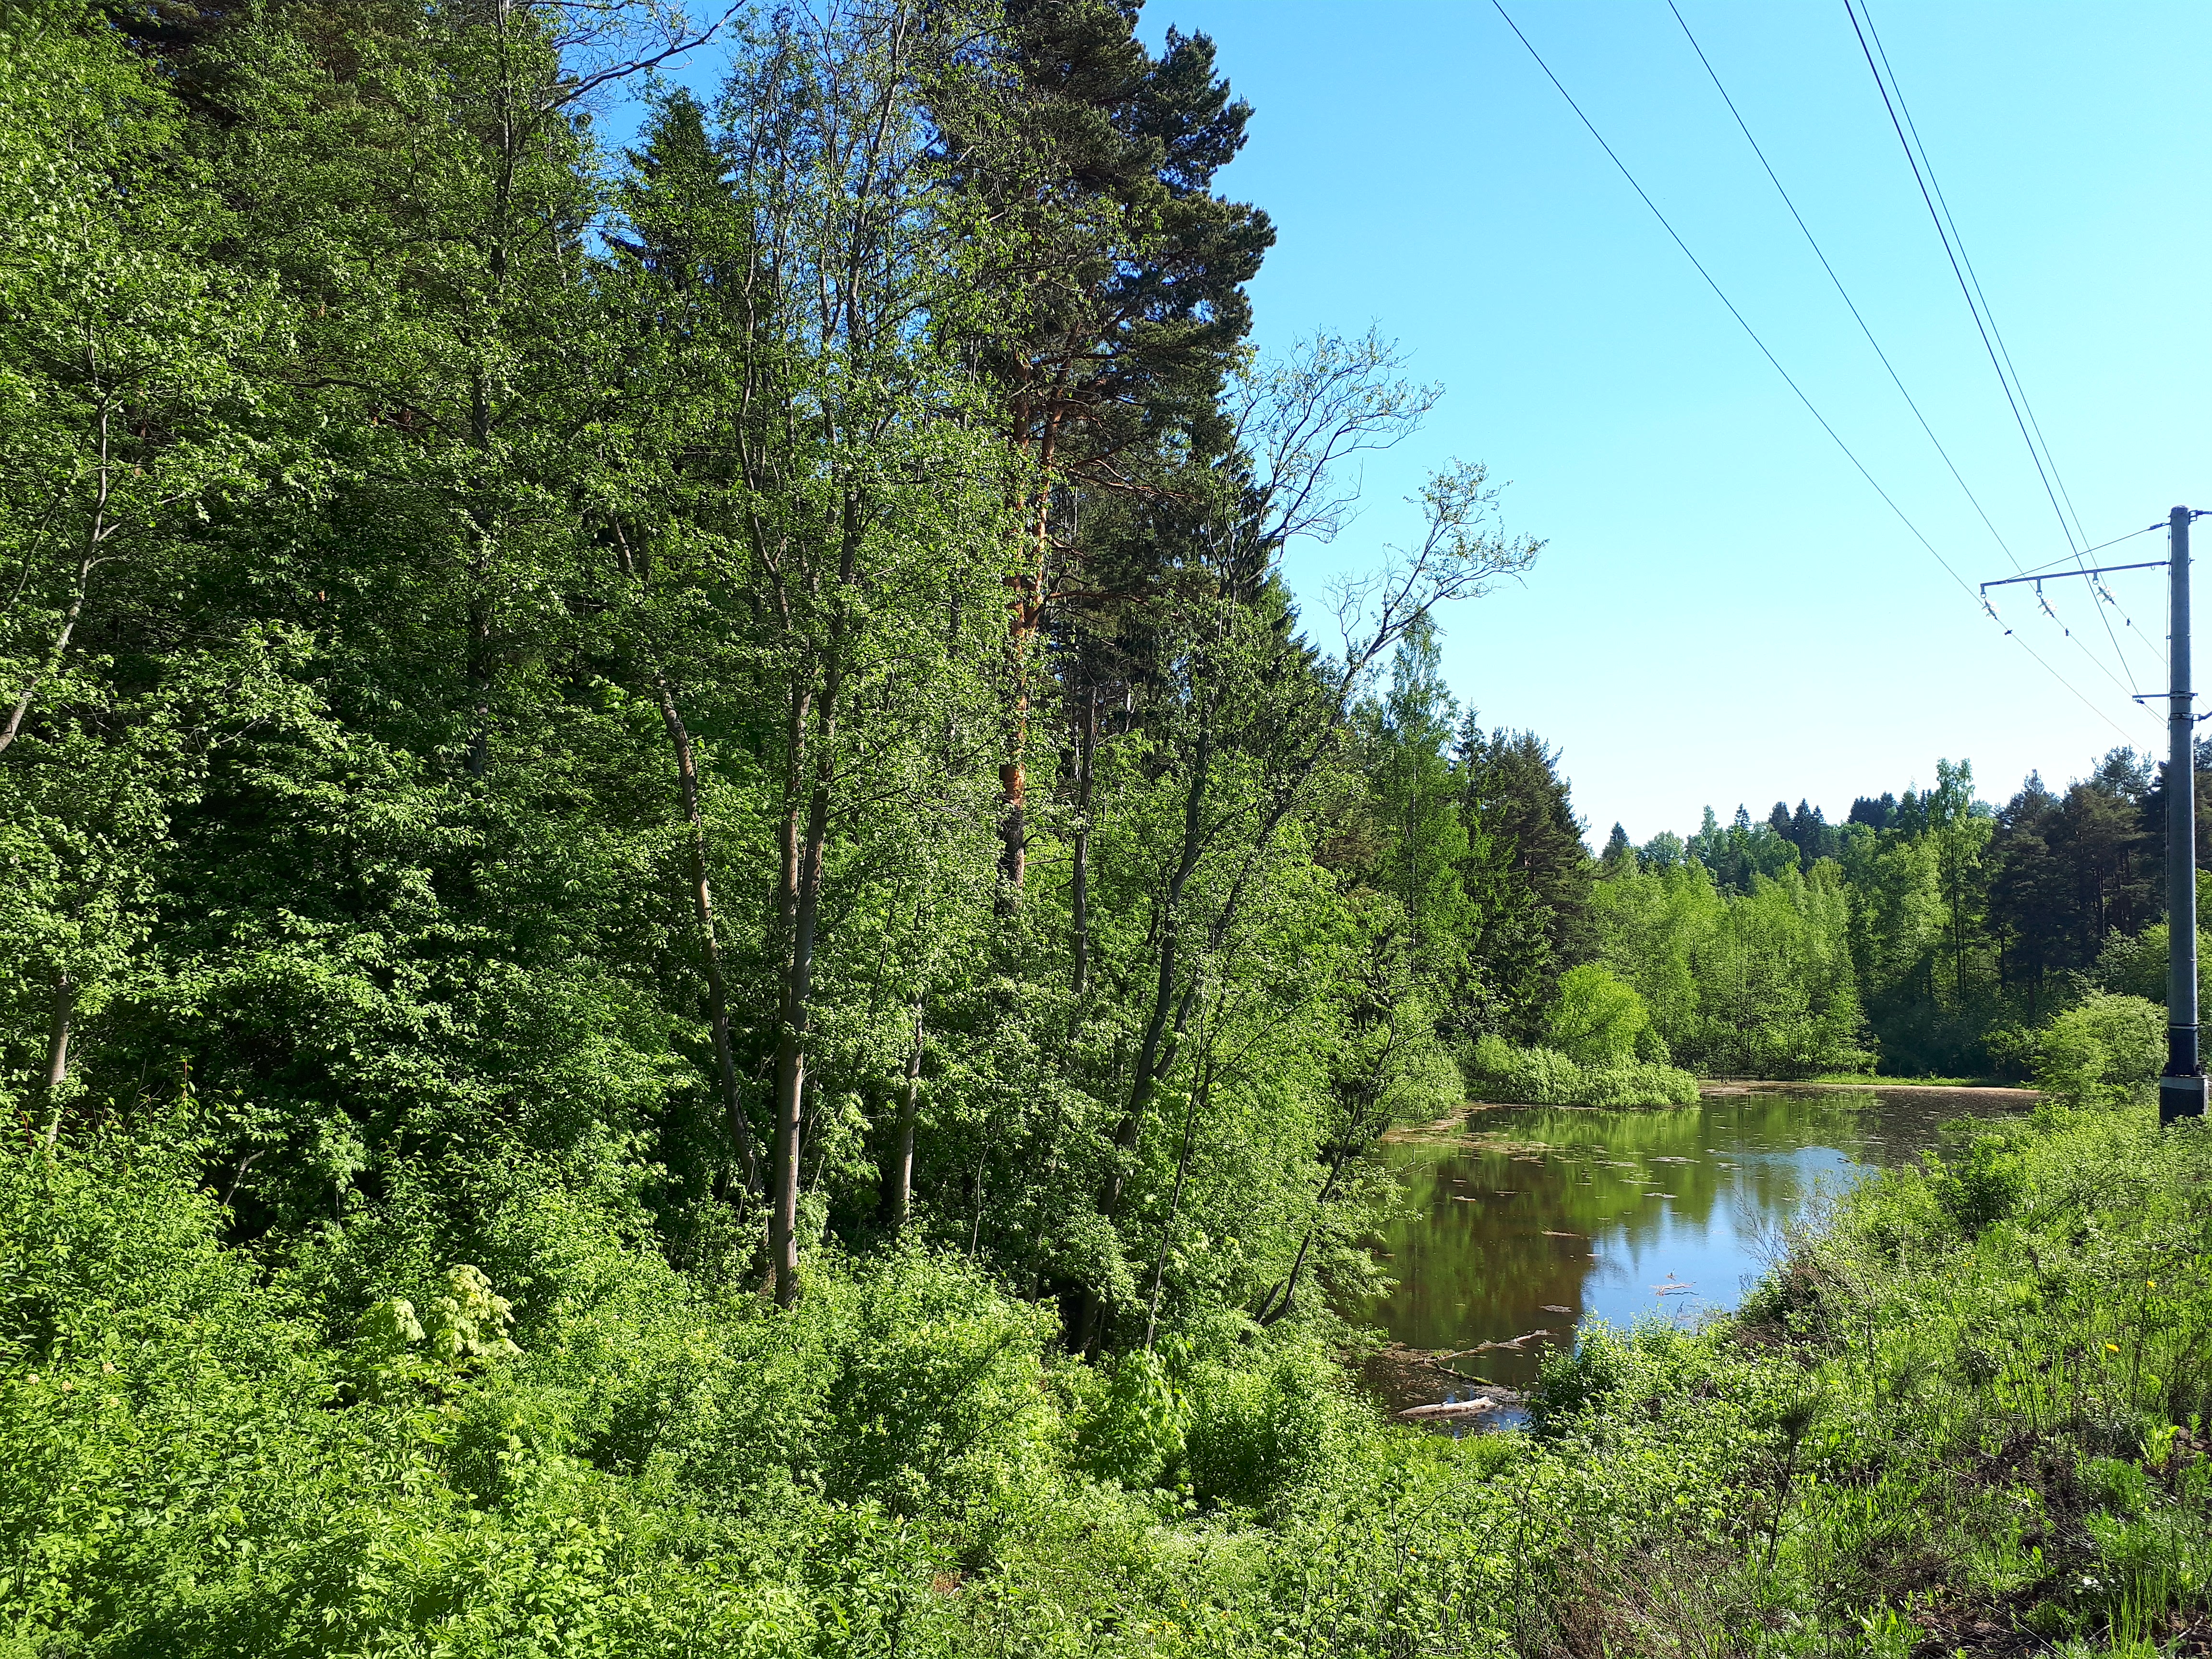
(1984, 1188)
(1134, 1430)
(2106, 1051)
(1598, 1018)
(1263, 1436)
(1497, 1071)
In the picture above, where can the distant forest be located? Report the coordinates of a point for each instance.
(1952, 928)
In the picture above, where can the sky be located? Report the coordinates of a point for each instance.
(1724, 610)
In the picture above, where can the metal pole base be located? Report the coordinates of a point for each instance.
(2180, 1097)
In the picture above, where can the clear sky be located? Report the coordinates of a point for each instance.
(1725, 611)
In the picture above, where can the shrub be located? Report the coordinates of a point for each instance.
(1570, 1382)
(2104, 1052)
(1264, 1436)
(1983, 1189)
(1135, 1430)
(1598, 1019)
(1544, 1076)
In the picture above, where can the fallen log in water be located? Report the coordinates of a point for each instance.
(1475, 1407)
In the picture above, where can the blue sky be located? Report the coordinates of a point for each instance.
(1725, 611)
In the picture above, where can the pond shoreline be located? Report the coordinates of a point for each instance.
(1522, 1223)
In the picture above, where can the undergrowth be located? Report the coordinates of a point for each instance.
(1967, 1414)
(1497, 1071)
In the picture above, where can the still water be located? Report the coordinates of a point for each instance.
(1533, 1218)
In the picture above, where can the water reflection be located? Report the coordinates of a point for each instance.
(1537, 1218)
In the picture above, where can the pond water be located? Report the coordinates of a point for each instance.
(1533, 1218)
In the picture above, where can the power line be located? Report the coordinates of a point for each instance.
(2126, 691)
(1897, 380)
(1913, 161)
(2073, 557)
(1813, 243)
(2004, 350)
(1947, 233)
(1721, 294)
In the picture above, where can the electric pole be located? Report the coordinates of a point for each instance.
(2181, 1087)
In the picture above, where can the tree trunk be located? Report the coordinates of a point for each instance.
(1152, 1063)
(477, 668)
(95, 533)
(55, 657)
(702, 906)
(1298, 1261)
(1086, 744)
(898, 1174)
(803, 862)
(702, 901)
(58, 1042)
(1028, 608)
(1199, 1097)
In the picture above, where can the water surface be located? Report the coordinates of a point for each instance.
(1537, 1218)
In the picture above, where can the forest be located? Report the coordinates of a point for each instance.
(1928, 935)
(696, 954)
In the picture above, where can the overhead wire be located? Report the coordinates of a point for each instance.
(1721, 294)
(1973, 275)
(1954, 251)
(1895, 379)
(2156, 647)
(1842, 293)
(2041, 598)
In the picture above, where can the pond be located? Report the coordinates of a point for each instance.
(1531, 1219)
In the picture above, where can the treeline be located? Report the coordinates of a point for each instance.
(1928, 932)
(747, 676)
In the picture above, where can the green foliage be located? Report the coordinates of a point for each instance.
(1497, 1071)
(2104, 1052)
(1135, 1431)
(1982, 1188)
(588, 733)
(1759, 982)
(1598, 1019)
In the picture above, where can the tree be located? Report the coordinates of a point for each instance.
(1529, 875)
(1619, 858)
(1114, 281)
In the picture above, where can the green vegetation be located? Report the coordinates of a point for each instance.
(1497, 1071)
(1933, 931)
(1975, 1398)
(695, 957)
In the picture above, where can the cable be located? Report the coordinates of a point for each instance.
(1722, 297)
(1813, 243)
(1896, 379)
(2041, 598)
(2053, 672)
(1969, 292)
(1973, 275)
(2157, 648)
(2099, 548)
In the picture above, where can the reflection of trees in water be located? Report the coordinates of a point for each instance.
(1502, 1226)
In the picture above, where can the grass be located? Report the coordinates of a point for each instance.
(1977, 1416)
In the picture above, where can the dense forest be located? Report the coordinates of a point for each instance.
(697, 956)
(1928, 934)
